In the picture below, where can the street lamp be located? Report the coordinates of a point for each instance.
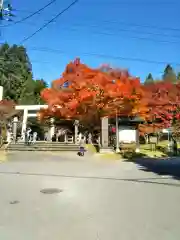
(169, 138)
(117, 133)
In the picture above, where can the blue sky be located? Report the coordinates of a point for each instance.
(91, 28)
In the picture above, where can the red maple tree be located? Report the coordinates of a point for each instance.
(89, 94)
(163, 104)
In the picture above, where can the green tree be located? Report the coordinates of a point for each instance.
(39, 85)
(149, 79)
(27, 93)
(16, 76)
(178, 76)
(169, 74)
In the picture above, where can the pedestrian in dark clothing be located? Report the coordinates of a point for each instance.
(175, 148)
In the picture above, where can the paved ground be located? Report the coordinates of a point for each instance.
(100, 199)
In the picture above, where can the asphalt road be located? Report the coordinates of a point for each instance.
(98, 200)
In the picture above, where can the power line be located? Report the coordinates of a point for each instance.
(50, 21)
(114, 33)
(126, 30)
(131, 24)
(133, 37)
(29, 16)
(58, 51)
(135, 25)
(131, 2)
(151, 2)
(135, 31)
(142, 25)
(104, 21)
(64, 10)
(128, 3)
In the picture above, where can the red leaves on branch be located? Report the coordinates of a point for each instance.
(163, 104)
(4, 104)
(89, 94)
(7, 109)
(85, 93)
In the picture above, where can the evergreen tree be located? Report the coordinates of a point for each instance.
(169, 74)
(178, 76)
(149, 79)
(39, 85)
(16, 76)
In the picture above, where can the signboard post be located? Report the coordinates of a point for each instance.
(169, 132)
(153, 141)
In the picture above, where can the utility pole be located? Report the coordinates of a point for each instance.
(1, 9)
(117, 133)
(5, 11)
(1, 12)
(1, 4)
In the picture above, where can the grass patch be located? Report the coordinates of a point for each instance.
(152, 154)
(110, 156)
(161, 150)
(129, 153)
(146, 152)
(91, 148)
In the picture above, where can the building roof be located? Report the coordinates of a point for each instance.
(128, 120)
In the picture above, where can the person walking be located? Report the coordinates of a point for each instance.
(81, 146)
(175, 147)
(28, 136)
(34, 137)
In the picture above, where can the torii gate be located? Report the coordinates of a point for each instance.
(26, 114)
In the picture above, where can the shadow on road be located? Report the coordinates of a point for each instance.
(163, 166)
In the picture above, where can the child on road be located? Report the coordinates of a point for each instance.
(82, 147)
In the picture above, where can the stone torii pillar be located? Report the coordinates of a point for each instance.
(104, 133)
(105, 136)
(52, 128)
(24, 123)
(76, 130)
(15, 125)
(1, 93)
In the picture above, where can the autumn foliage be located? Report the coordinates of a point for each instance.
(163, 104)
(90, 94)
(7, 109)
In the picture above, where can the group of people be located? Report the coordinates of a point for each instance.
(30, 137)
